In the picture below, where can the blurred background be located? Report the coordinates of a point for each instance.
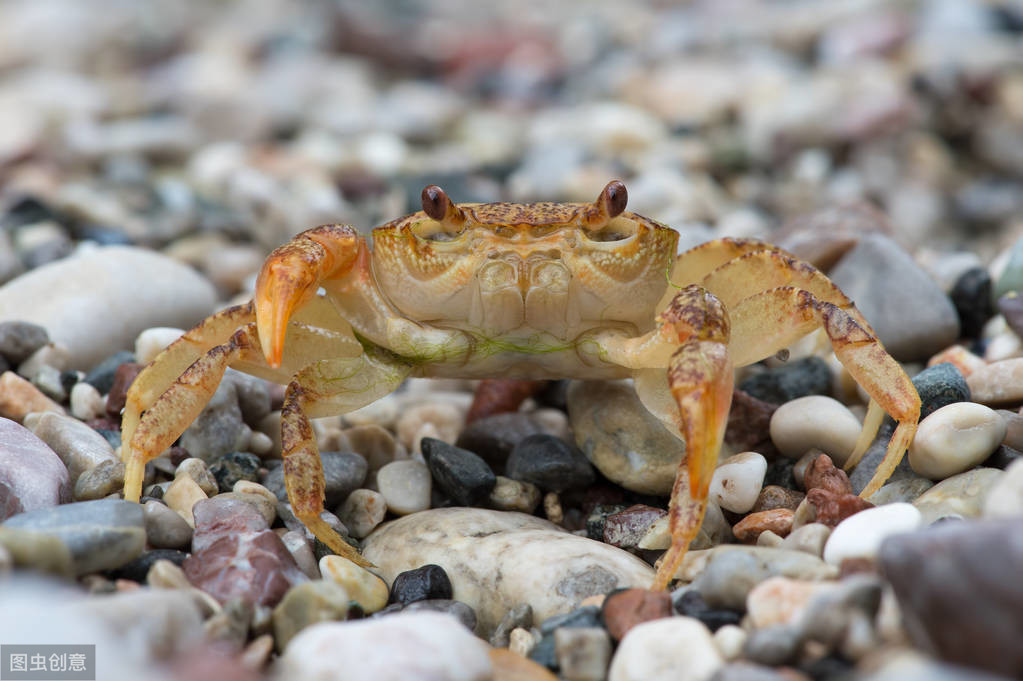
(213, 131)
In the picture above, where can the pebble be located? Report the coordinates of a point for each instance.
(364, 509)
(738, 480)
(405, 487)
(971, 296)
(810, 538)
(235, 466)
(998, 383)
(343, 473)
(447, 418)
(31, 475)
(101, 375)
(1010, 306)
(626, 528)
(514, 495)
(235, 555)
(497, 560)
(778, 521)
(623, 610)
(36, 551)
(500, 395)
(376, 445)
(182, 495)
(860, 535)
(774, 496)
(962, 359)
(732, 571)
(582, 653)
(549, 463)
(121, 291)
(152, 341)
(363, 587)
(101, 535)
(124, 376)
(459, 473)
(301, 549)
(780, 600)
(815, 422)
(105, 479)
(165, 529)
(80, 447)
(910, 313)
(954, 439)
(19, 339)
(790, 381)
(626, 443)
(821, 473)
(674, 648)
(906, 489)
(48, 380)
(423, 583)
(219, 428)
(517, 617)
(960, 496)
(940, 385)
(196, 469)
(305, 604)
(86, 402)
(422, 645)
(18, 398)
(494, 437)
(749, 423)
(262, 499)
(465, 615)
(984, 559)
(1005, 499)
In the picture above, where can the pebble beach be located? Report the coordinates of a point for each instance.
(152, 155)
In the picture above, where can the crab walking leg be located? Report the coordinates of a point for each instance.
(324, 388)
(768, 321)
(700, 378)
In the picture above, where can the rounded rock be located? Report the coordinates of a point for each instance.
(363, 510)
(306, 604)
(549, 463)
(32, 476)
(860, 535)
(960, 496)
(669, 649)
(363, 587)
(424, 583)
(514, 495)
(405, 486)
(955, 438)
(151, 342)
(165, 529)
(105, 479)
(815, 422)
(459, 473)
(737, 481)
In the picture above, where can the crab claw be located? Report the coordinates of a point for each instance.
(291, 276)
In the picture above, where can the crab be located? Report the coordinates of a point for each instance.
(535, 290)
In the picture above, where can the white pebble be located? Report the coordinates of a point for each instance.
(53, 355)
(362, 511)
(955, 438)
(405, 486)
(260, 444)
(447, 418)
(730, 639)
(86, 402)
(420, 645)
(815, 421)
(668, 649)
(737, 481)
(860, 535)
(1006, 495)
(152, 342)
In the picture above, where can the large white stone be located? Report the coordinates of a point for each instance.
(860, 535)
(815, 421)
(955, 438)
(499, 559)
(420, 645)
(97, 302)
(667, 649)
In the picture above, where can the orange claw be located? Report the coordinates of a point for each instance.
(291, 276)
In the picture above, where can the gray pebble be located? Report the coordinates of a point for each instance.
(219, 428)
(165, 529)
(80, 447)
(105, 479)
(19, 339)
(343, 473)
(196, 469)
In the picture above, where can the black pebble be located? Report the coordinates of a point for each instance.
(137, 569)
(494, 437)
(424, 583)
(462, 475)
(940, 385)
(971, 295)
(235, 466)
(550, 463)
(798, 378)
(691, 604)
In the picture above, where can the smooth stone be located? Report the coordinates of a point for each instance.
(19, 398)
(363, 587)
(423, 583)
(301, 549)
(810, 538)
(625, 609)
(152, 341)
(49, 382)
(815, 422)
(954, 439)
(714, 530)
(780, 600)
(305, 604)
(465, 615)
(777, 521)
(101, 535)
(343, 473)
(960, 496)
(906, 489)
(737, 481)
(773, 496)
(138, 569)
(197, 470)
(235, 466)
(792, 380)
(626, 528)
(462, 475)
(165, 529)
(550, 463)
(1006, 496)
(514, 495)
(1011, 278)
(101, 375)
(730, 572)
(32, 476)
(626, 443)
(998, 383)
(729, 640)
(910, 313)
(498, 560)
(36, 551)
(582, 653)
(971, 296)
(420, 645)
(19, 339)
(120, 292)
(670, 649)
(860, 535)
(494, 437)
(80, 447)
(258, 496)
(405, 487)
(183, 494)
(219, 428)
(105, 479)
(958, 590)
(940, 385)
(448, 420)
(375, 444)
(364, 509)
(86, 402)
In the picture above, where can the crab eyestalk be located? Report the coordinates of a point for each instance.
(609, 205)
(438, 206)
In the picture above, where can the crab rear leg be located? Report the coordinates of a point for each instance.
(327, 387)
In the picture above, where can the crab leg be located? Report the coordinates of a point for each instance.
(700, 378)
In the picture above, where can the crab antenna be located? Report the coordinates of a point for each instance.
(438, 206)
(610, 204)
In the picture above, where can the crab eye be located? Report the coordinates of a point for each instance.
(448, 220)
(435, 202)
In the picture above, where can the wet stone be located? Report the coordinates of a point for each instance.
(798, 378)
(971, 296)
(622, 610)
(235, 466)
(425, 583)
(627, 527)
(494, 437)
(550, 463)
(343, 473)
(102, 375)
(462, 475)
(20, 339)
